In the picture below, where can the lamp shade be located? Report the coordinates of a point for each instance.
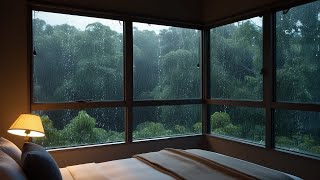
(28, 125)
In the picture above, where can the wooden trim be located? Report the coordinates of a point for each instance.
(227, 102)
(101, 13)
(75, 105)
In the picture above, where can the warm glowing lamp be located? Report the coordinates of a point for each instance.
(27, 125)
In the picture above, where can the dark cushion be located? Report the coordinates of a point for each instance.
(10, 149)
(9, 169)
(37, 163)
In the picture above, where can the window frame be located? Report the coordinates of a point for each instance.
(243, 102)
(268, 101)
(128, 102)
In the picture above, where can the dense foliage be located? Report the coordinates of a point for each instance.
(73, 64)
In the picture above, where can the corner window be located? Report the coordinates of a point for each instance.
(236, 61)
(297, 82)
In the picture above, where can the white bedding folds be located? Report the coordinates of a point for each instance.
(173, 164)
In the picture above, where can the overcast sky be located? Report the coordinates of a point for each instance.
(81, 22)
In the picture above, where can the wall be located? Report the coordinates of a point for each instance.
(214, 11)
(14, 89)
(176, 10)
(300, 166)
(13, 62)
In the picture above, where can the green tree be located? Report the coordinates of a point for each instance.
(150, 129)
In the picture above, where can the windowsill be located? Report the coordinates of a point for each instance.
(238, 140)
(284, 151)
(304, 155)
(164, 138)
(84, 146)
(120, 143)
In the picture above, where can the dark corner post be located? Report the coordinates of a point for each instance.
(205, 49)
(269, 75)
(128, 79)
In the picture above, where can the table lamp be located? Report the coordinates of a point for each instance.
(27, 125)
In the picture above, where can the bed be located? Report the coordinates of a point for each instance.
(174, 164)
(34, 162)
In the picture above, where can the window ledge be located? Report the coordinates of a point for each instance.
(237, 140)
(163, 138)
(304, 155)
(121, 143)
(84, 146)
(246, 142)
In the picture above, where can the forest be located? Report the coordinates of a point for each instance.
(74, 65)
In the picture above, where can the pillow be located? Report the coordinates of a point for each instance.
(9, 169)
(10, 149)
(37, 163)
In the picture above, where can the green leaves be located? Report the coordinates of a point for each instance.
(236, 61)
(80, 131)
(83, 130)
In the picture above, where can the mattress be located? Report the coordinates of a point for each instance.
(173, 164)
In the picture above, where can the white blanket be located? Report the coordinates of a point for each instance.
(171, 164)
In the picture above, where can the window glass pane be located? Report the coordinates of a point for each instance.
(240, 122)
(166, 62)
(65, 128)
(166, 121)
(298, 131)
(298, 53)
(236, 60)
(77, 58)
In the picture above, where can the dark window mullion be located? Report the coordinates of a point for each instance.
(296, 106)
(205, 67)
(232, 102)
(269, 75)
(75, 105)
(128, 79)
(166, 102)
